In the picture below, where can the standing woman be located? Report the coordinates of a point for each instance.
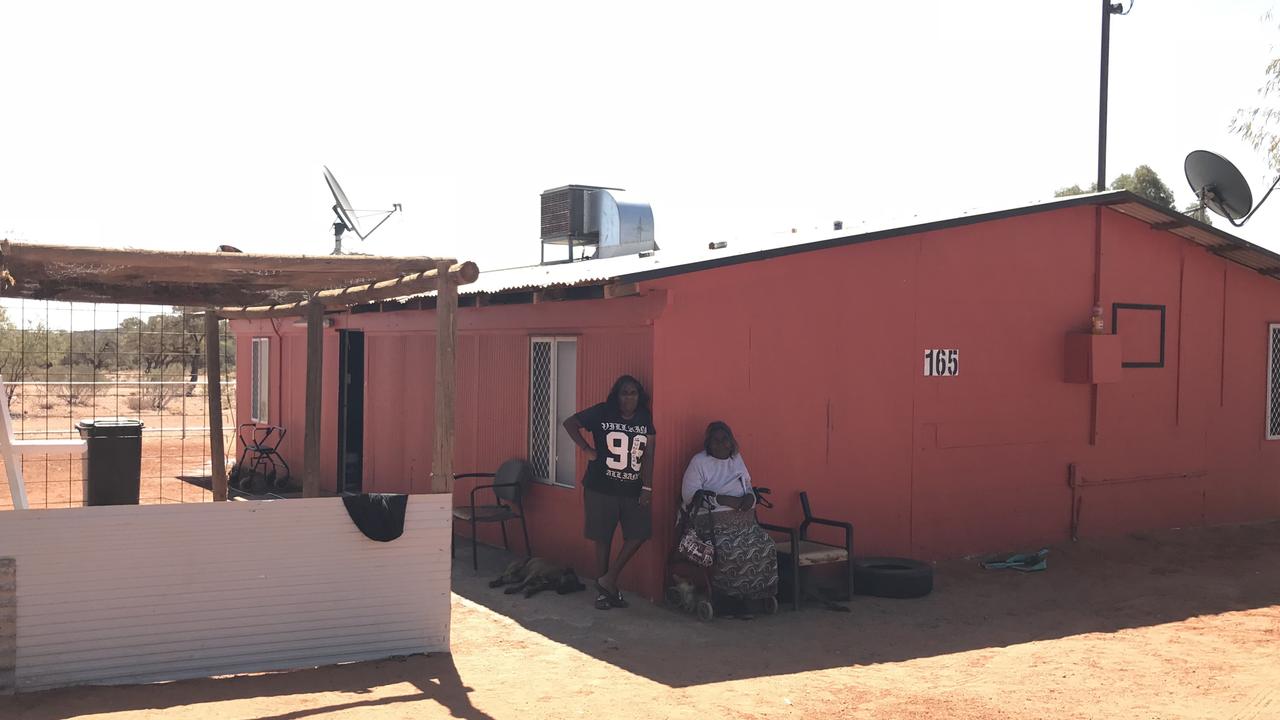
(618, 484)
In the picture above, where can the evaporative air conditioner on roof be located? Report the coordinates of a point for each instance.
(584, 216)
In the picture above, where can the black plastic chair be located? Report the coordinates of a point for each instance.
(261, 451)
(509, 485)
(802, 552)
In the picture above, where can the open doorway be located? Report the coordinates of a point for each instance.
(350, 411)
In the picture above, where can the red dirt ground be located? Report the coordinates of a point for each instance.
(1177, 624)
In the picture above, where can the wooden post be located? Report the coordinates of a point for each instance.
(315, 372)
(213, 386)
(8, 625)
(446, 380)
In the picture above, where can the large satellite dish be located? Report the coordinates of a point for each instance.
(1219, 186)
(348, 217)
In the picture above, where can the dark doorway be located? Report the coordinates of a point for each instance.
(350, 411)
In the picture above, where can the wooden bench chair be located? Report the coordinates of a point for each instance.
(12, 450)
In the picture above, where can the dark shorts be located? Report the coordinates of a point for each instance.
(605, 512)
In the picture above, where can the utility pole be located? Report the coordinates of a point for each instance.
(1108, 9)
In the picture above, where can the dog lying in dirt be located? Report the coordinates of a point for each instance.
(534, 575)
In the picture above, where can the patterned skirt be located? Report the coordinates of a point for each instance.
(746, 565)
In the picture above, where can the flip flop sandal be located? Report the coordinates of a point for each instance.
(614, 598)
(603, 602)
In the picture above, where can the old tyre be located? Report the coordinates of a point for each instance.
(673, 596)
(705, 611)
(770, 606)
(890, 577)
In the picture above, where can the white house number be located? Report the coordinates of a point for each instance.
(941, 363)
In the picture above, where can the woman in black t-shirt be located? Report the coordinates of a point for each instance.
(618, 483)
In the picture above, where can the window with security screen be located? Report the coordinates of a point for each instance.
(553, 397)
(1273, 382)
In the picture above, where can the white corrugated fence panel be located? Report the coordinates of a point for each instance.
(142, 593)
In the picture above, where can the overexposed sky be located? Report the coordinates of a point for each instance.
(187, 126)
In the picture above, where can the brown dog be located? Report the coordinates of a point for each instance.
(534, 575)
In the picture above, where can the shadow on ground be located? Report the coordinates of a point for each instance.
(1090, 587)
(432, 677)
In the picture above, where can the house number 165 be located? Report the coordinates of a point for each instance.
(941, 363)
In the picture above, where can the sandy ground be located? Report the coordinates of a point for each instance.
(1177, 624)
(175, 451)
(171, 469)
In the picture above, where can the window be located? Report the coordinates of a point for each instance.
(1273, 381)
(260, 371)
(553, 397)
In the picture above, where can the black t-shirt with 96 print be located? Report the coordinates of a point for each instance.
(620, 449)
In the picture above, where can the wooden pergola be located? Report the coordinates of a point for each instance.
(239, 285)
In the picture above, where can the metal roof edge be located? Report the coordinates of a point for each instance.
(1111, 197)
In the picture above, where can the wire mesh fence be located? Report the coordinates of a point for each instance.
(67, 362)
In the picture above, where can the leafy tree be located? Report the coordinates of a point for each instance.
(1142, 181)
(1145, 182)
(1260, 126)
(1197, 211)
(1075, 190)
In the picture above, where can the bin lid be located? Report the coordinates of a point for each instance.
(110, 423)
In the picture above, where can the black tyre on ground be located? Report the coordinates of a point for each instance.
(890, 577)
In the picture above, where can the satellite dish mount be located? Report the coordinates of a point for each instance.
(1220, 187)
(347, 217)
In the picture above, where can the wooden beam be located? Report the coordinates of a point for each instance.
(315, 373)
(151, 294)
(1270, 272)
(207, 262)
(459, 274)
(213, 385)
(1228, 249)
(446, 382)
(293, 309)
(621, 289)
(551, 294)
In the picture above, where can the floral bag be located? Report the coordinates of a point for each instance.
(698, 550)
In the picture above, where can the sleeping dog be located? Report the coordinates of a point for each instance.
(535, 575)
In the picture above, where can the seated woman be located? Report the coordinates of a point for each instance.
(746, 565)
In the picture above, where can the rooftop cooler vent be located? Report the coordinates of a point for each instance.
(583, 216)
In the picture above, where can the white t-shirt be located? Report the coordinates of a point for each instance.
(721, 477)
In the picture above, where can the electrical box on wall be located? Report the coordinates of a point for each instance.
(1093, 359)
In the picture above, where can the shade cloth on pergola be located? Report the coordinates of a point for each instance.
(246, 285)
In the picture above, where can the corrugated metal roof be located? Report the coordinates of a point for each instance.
(690, 259)
(1217, 241)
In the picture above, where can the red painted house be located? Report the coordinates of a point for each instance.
(937, 384)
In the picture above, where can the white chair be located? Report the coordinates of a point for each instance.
(12, 451)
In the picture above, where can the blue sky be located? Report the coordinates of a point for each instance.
(171, 125)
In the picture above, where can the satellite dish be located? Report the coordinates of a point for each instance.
(348, 219)
(1219, 186)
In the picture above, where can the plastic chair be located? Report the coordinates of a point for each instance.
(508, 487)
(261, 449)
(802, 552)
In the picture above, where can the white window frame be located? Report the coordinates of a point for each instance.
(260, 380)
(552, 429)
(1272, 329)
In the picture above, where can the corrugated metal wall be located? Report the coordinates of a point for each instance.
(131, 594)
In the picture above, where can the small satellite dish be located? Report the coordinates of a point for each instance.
(348, 218)
(1219, 186)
